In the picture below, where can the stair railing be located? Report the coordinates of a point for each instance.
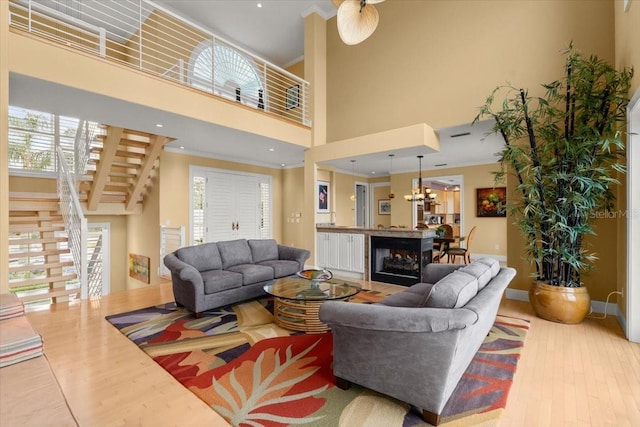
(74, 220)
(152, 38)
(85, 135)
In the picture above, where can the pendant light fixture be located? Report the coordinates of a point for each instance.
(416, 193)
(353, 177)
(391, 195)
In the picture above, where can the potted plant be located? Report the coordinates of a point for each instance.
(565, 149)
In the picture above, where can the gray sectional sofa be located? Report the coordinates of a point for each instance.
(415, 345)
(213, 275)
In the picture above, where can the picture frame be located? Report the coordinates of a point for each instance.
(323, 199)
(384, 207)
(139, 268)
(490, 202)
(292, 97)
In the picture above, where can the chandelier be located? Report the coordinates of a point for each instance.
(416, 193)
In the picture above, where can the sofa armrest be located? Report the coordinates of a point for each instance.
(293, 254)
(397, 319)
(184, 271)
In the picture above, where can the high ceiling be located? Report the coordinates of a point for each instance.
(274, 32)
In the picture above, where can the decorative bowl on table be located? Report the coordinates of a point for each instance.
(315, 275)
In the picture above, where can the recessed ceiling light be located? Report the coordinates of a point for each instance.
(182, 147)
(259, 5)
(282, 164)
(159, 125)
(373, 172)
(272, 149)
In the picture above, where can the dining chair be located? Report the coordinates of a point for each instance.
(440, 248)
(465, 252)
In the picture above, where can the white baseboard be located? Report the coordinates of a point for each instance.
(596, 306)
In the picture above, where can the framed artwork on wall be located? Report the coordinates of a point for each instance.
(139, 267)
(490, 202)
(293, 96)
(323, 202)
(384, 207)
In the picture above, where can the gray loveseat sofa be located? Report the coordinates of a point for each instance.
(213, 275)
(415, 345)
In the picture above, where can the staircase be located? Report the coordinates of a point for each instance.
(40, 264)
(119, 169)
(41, 253)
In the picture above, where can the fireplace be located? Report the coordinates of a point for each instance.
(399, 260)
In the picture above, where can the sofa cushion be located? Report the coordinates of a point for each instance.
(234, 252)
(453, 291)
(480, 271)
(263, 250)
(492, 263)
(403, 299)
(202, 257)
(282, 268)
(220, 280)
(253, 273)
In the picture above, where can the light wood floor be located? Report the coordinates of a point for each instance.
(581, 375)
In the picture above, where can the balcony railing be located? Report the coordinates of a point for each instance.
(151, 38)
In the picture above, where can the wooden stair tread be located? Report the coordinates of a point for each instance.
(44, 279)
(45, 266)
(33, 218)
(122, 153)
(25, 228)
(31, 206)
(34, 254)
(15, 195)
(53, 293)
(42, 240)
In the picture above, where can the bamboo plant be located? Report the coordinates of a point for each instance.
(565, 149)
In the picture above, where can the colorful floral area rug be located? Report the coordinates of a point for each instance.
(255, 373)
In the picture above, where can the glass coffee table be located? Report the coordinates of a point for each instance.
(298, 300)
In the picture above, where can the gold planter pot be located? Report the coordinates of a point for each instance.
(559, 304)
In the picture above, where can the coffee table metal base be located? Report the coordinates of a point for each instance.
(299, 315)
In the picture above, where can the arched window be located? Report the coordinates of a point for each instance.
(223, 70)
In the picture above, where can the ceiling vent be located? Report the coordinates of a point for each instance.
(457, 135)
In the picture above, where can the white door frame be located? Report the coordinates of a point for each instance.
(365, 200)
(373, 206)
(633, 220)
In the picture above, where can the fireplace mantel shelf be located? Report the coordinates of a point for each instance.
(381, 232)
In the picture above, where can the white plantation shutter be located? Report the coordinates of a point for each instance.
(171, 239)
(265, 210)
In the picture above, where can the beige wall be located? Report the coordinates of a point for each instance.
(380, 193)
(292, 205)
(436, 61)
(173, 203)
(4, 157)
(143, 232)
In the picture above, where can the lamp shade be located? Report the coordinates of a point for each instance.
(356, 25)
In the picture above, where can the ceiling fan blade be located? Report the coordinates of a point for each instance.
(337, 3)
(354, 26)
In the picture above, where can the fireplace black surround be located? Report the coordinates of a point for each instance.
(399, 260)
